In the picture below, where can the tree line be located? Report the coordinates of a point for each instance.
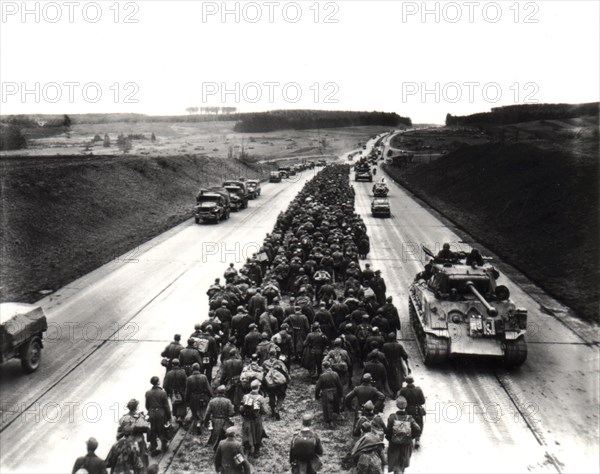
(524, 113)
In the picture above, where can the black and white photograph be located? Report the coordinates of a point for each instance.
(306, 237)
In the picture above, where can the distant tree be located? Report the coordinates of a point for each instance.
(106, 142)
(11, 138)
(97, 138)
(66, 121)
(153, 137)
(125, 145)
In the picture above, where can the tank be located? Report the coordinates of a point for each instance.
(458, 309)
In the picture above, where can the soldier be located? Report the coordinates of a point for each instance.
(340, 361)
(300, 328)
(381, 322)
(314, 347)
(368, 455)
(240, 325)
(159, 414)
(391, 314)
(90, 462)
(251, 341)
(214, 288)
(267, 322)
(378, 285)
(230, 273)
(339, 310)
(197, 395)
(275, 382)
(174, 384)
(398, 366)
(474, 258)
(228, 349)
(400, 431)
(189, 356)
(305, 449)
(262, 350)
(367, 274)
(363, 393)
(230, 373)
(209, 352)
(414, 405)
(284, 341)
(278, 311)
(329, 390)
(377, 370)
(351, 302)
(324, 318)
(252, 410)
(229, 456)
(368, 415)
(446, 253)
(427, 273)
(172, 351)
(218, 414)
(224, 315)
(257, 305)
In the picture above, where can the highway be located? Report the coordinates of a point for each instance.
(542, 417)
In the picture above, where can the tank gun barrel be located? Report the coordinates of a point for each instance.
(490, 309)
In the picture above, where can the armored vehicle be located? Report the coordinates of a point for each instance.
(458, 309)
(380, 207)
(212, 205)
(380, 190)
(21, 332)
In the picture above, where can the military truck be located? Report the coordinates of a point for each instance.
(275, 177)
(21, 332)
(213, 205)
(239, 194)
(458, 309)
(253, 188)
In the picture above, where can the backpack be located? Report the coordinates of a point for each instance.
(248, 374)
(202, 345)
(275, 378)
(248, 408)
(401, 431)
(303, 447)
(337, 362)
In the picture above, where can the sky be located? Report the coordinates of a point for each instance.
(418, 59)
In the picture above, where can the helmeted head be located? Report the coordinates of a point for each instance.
(366, 378)
(337, 342)
(197, 326)
(391, 336)
(221, 389)
(446, 246)
(254, 357)
(368, 407)
(409, 379)
(264, 336)
(195, 366)
(326, 364)
(175, 362)
(230, 432)
(307, 419)
(255, 384)
(389, 299)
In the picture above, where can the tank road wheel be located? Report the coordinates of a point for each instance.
(435, 350)
(31, 355)
(515, 352)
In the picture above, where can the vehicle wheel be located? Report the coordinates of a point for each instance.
(197, 219)
(435, 350)
(31, 355)
(515, 352)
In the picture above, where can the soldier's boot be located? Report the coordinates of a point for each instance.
(417, 443)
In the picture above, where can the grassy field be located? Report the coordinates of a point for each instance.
(66, 212)
(531, 195)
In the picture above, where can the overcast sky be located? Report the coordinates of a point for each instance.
(419, 59)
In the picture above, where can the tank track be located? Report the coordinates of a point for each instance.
(434, 350)
(515, 352)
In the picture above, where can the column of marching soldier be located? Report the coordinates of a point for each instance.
(302, 299)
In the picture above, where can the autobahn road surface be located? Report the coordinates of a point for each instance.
(107, 330)
(481, 418)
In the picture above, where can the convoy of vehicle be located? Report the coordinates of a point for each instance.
(21, 332)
